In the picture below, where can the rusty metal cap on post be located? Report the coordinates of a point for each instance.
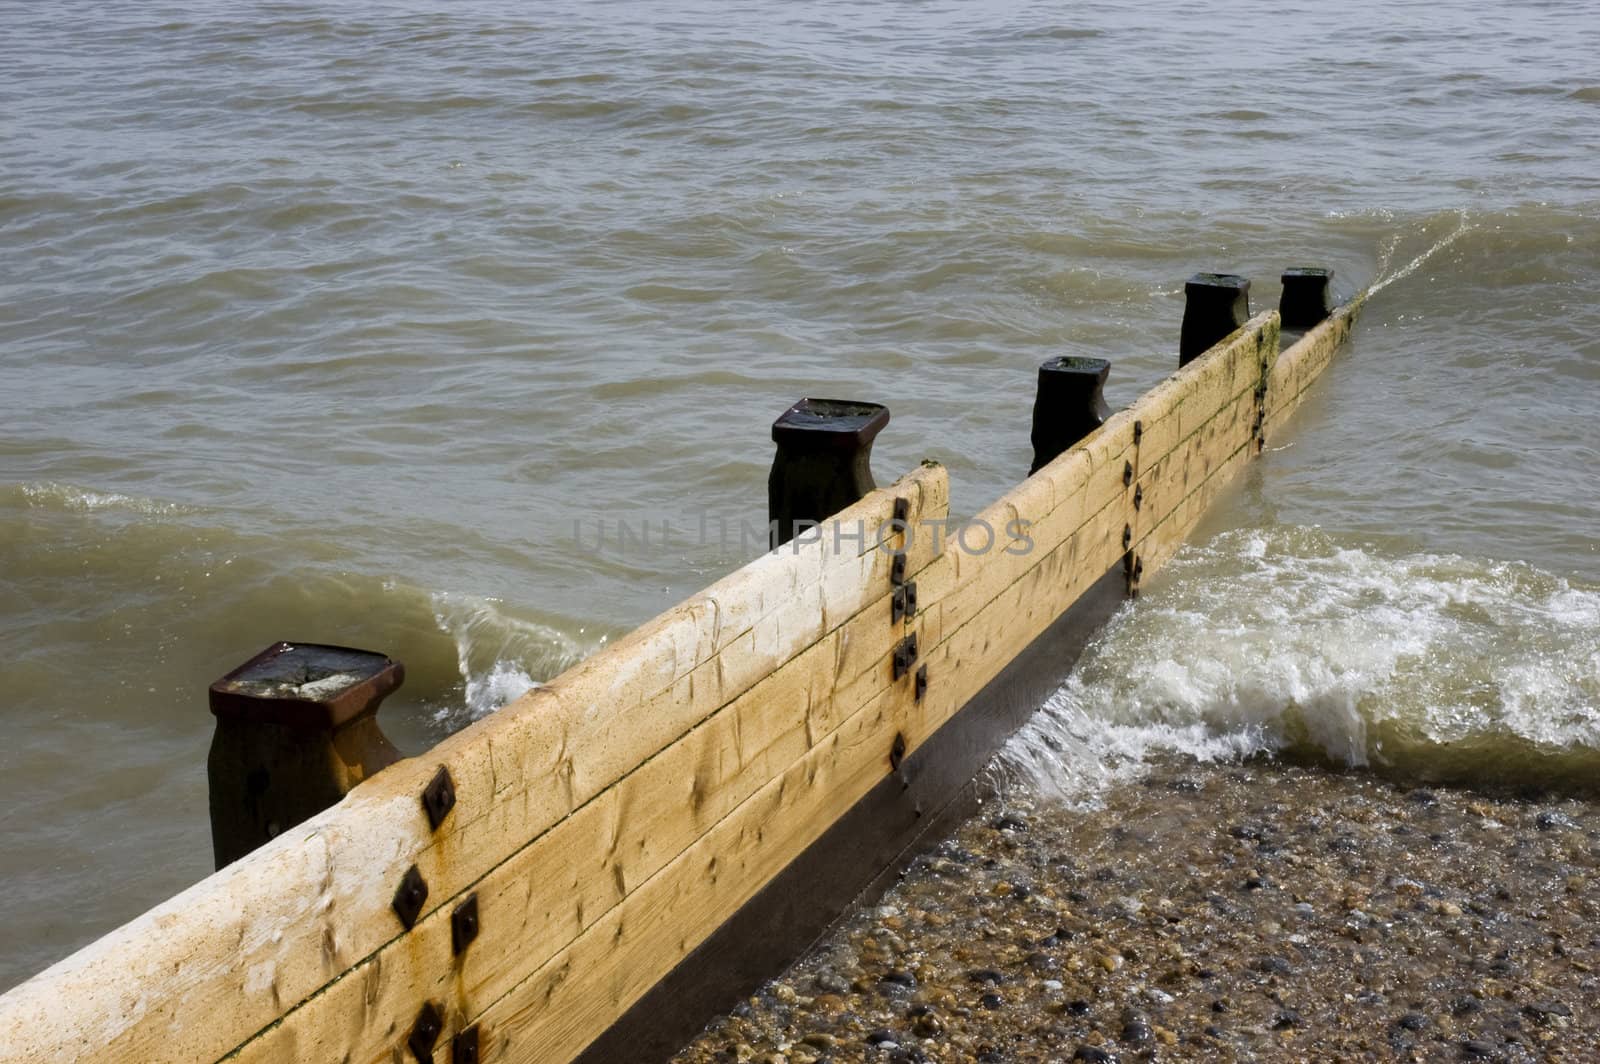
(1215, 304)
(1307, 296)
(306, 685)
(1069, 404)
(829, 424)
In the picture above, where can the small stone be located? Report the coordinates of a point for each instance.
(986, 977)
(992, 1001)
(1474, 1048)
(785, 993)
(819, 1040)
(1463, 1006)
(1412, 1021)
(902, 980)
(1136, 1031)
(1078, 1008)
(831, 981)
(1272, 966)
(1551, 820)
(882, 1037)
(1543, 1010)
(1093, 1054)
(1010, 823)
(1423, 797)
(1286, 1019)
(1109, 961)
(1052, 985)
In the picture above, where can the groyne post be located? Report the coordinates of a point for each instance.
(1069, 405)
(297, 728)
(824, 461)
(1307, 297)
(1215, 304)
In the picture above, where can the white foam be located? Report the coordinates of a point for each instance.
(71, 497)
(499, 655)
(1286, 639)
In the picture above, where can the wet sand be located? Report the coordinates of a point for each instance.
(1259, 912)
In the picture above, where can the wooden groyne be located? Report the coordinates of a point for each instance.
(602, 862)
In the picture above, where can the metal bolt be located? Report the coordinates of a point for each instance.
(410, 897)
(425, 1033)
(897, 570)
(464, 924)
(464, 1047)
(921, 682)
(439, 797)
(1138, 497)
(1127, 473)
(1127, 536)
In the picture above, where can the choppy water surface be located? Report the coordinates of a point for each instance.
(328, 321)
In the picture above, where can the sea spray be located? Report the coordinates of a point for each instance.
(501, 656)
(1290, 640)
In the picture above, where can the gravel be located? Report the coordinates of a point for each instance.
(1264, 912)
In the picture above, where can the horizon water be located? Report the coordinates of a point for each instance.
(353, 323)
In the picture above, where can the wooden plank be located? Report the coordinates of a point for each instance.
(252, 942)
(602, 851)
(562, 1006)
(1303, 361)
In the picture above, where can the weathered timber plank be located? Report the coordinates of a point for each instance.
(245, 946)
(1300, 364)
(861, 853)
(575, 996)
(1163, 541)
(1164, 486)
(1195, 392)
(598, 854)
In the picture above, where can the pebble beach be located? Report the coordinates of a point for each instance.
(1260, 911)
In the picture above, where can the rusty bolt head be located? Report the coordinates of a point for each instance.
(1127, 536)
(464, 924)
(425, 1032)
(410, 897)
(1138, 431)
(897, 751)
(1138, 497)
(464, 1047)
(902, 509)
(897, 570)
(921, 682)
(439, 797)
(1127, 473)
